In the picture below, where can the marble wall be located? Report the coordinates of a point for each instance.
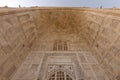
(102, 33)
(95, 30)
(17, 34)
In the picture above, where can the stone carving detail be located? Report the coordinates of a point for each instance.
(60, 45)
(114, 24)
(24, 18)
(53, 68)
(28, 70)
(47, 66)
(10, 72)
(98, 29)
(60, 75)
(28, 26)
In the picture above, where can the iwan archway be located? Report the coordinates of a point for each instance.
(38, 43)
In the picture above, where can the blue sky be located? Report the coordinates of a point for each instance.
(62, 3)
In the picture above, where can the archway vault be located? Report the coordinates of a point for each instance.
(29, 34)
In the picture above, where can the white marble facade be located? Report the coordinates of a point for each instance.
(59, 44)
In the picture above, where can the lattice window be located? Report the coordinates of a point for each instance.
(60, 76)
(68, 77)
(55, 45)
(52, 77)
(60, 45)
(65, 46)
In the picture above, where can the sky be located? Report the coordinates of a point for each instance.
(62, 3)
